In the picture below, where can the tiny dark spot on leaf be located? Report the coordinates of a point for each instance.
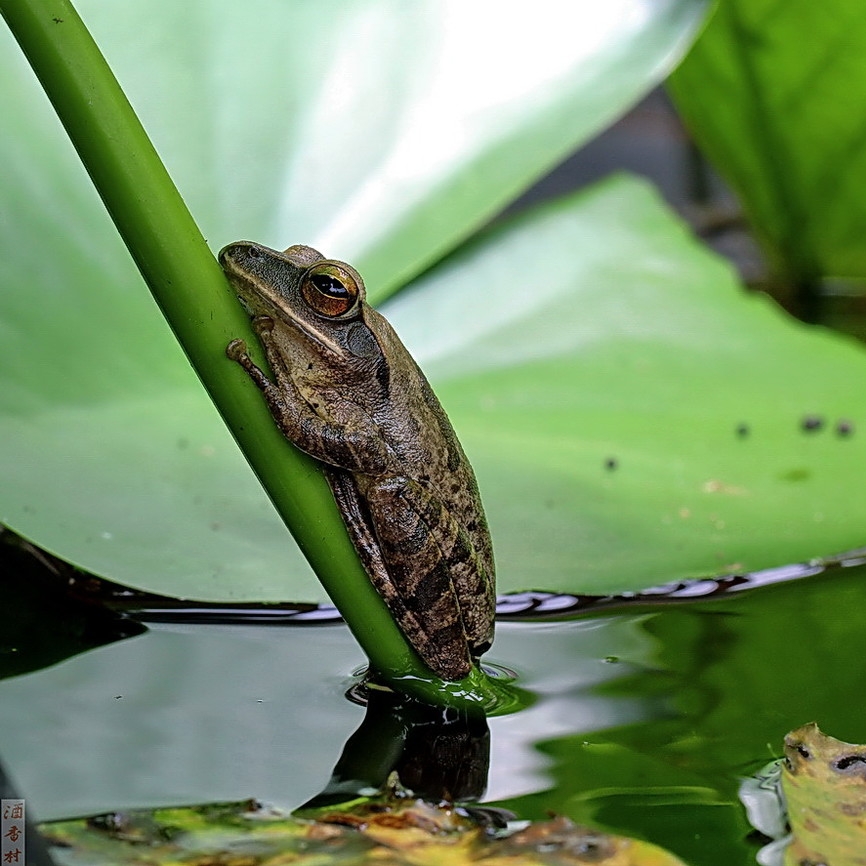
(611, 463)
(743, 430)
(844, 428)
(811, 423)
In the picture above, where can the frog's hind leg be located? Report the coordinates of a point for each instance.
(418, 591)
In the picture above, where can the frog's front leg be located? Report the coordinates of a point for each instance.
(343, 445)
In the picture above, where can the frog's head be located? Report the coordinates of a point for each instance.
(320, 301)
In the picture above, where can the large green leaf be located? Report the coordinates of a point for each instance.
(382, 132)
(774, 93)
(597, 330)
(112, 457)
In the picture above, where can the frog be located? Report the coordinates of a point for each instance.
(346, 391)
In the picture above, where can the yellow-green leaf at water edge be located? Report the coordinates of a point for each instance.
(387, 830)
(824, 782)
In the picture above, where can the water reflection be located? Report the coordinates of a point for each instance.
(41, 626)
(643, 722)
(439, 754)
(716, 688)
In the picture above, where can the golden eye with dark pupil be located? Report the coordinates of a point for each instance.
(329, 291)
(329, 286)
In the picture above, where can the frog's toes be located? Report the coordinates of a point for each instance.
(236, 350)
(263, 324)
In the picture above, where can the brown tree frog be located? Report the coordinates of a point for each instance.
(346, 391)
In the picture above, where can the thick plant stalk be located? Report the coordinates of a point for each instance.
(201, 309)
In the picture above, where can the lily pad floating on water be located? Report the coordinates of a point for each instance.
(385, 829)
(591, 327)
(598, 326)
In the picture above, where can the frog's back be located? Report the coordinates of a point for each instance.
(431, 454)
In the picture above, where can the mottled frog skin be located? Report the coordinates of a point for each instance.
(346, 391)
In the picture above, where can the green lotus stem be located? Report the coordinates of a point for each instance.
(201, 309)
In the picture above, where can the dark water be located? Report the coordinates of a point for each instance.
(639, 721)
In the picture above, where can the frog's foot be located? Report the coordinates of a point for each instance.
(237, 351)
(262, 324)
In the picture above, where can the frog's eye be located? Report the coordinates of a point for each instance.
(330, 290)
